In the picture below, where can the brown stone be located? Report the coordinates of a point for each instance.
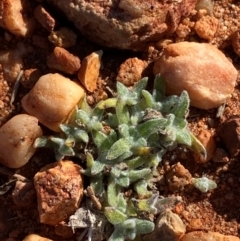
(206, 27)
(199, 68)
(59, 188)
(63, 61)
(178, 177)
(131, 71)
(89, 71)
(44, 18)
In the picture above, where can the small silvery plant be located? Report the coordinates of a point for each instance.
(122, 141)
(204, 184)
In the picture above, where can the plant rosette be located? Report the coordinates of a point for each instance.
(122, 141)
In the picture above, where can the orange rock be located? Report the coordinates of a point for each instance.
(59, 188)
(13, 17)
(177, 177)
(63, 61)
(89, 71)
(131, 71)
(206, 27)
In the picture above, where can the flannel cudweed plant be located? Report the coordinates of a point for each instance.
(123, 140)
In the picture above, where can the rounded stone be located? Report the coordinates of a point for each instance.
(52, 100)
(199, 68)
(16, 140)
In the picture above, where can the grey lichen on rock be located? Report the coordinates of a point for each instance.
(125, 24)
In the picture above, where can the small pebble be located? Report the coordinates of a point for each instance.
(63, 61)
(131, 71)
(206, 27)
(178, 177)
(89, 71)
(169, 227)
(44, 18)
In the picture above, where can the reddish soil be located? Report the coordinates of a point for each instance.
(218, 210)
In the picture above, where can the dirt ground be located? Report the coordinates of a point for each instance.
(218, 210)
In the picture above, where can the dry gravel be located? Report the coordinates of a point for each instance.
(215, 211)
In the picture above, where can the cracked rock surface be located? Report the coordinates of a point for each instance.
(125, 24)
